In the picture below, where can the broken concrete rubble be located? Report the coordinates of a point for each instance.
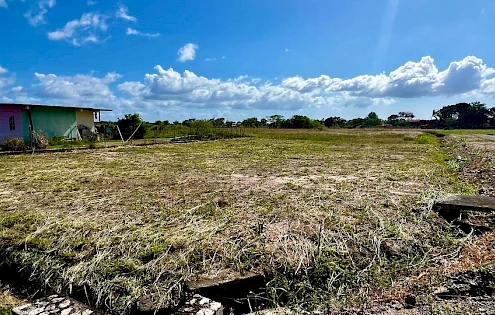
(199, 305)
(54, 305)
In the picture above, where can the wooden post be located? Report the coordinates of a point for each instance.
(120, 134)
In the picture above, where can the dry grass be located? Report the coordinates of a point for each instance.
(332, 218)
(7, 300)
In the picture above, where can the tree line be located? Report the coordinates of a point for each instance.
(457, 116)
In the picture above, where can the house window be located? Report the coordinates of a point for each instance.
(12, 122)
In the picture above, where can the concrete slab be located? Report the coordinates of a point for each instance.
(451, 208)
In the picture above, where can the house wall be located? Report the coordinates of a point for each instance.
(54, 121)
(5, 113)
(85, 118)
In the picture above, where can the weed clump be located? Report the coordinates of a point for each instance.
(13, 144)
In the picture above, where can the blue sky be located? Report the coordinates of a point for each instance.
(237, 59)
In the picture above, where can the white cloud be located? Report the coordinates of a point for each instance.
(187, 52)
(79, 87)
(123, 13)
(91, 2)
(36, 15)
(17, 89)
(210, 59)
(3, 4)
(173, 89)
(131, 31)
(413, 79)
(5, 99)
(168, 91)
(78, 32)
(4, 81)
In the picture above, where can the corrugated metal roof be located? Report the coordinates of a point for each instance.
(56, 106)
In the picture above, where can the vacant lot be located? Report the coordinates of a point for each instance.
(330, 217)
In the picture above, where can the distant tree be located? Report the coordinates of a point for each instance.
(400, 120)
(275, 121)
(264, 122)
(334, 122)
(188, 122)
(229, 123)
(463, 115)
(218, 122)
(393, 119)
(491, 117)
(355, 123)
(128, 125)
(372, 120)
(251, 122)
(406, 115)
(300, 122)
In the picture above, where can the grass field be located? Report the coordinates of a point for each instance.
(331, 217)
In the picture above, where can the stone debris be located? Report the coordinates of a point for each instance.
(200, 305)
(54, 305)
(275, 311)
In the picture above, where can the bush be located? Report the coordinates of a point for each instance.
(128, 126)
(13, 144)
(57, 140)
(202, 129)
(425, 139)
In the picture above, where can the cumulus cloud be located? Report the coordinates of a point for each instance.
(413, 79)
(79, 87)
(84, 30)
(123, 13)
(131, 31)
(36, 15)
(187, 52)
(168, 90)
(17, 89)
(171, 88)
(4, 81)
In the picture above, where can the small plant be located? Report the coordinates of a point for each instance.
(5, 311)
(13, 144)
(57, 140)
(425, 139)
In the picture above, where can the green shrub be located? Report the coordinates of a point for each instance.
(202, 129)
(57, 140)
(425, 139)
(13, 144)
(5, 311)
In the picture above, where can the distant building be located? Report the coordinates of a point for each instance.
(423, 124)
(18, 120)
